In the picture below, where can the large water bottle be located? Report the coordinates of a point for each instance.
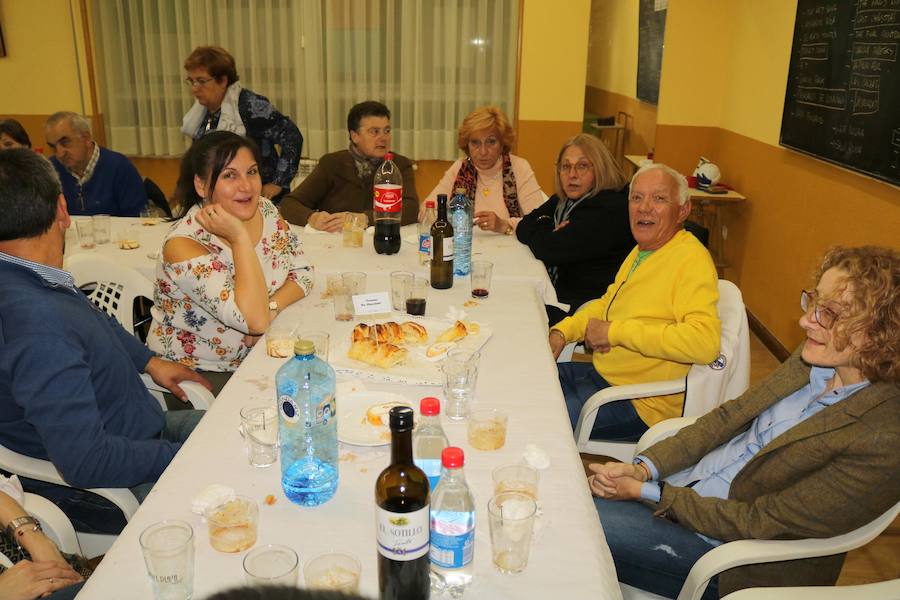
(460, 218)
(429, 440)
(307, 427)
(452, 527)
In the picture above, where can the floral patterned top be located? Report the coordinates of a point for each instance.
(196, 320)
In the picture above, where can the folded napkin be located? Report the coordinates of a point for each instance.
(536, 457)
(455, 313)
(212, 495)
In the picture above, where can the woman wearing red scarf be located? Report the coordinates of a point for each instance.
(502, 184)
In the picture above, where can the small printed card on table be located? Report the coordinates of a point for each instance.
(372, 304)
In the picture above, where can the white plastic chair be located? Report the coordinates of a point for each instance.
(705, 386)
(884, 590)
(749, 552)
(116, 285)
(94, 544)
(54, 522)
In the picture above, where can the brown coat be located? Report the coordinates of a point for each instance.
(334, 186)
(828, 475)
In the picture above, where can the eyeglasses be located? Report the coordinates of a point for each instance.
(580, 167)
(823, 315)
(199, 82)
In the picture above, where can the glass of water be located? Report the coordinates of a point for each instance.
(168, 548)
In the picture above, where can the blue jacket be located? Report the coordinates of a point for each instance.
(114, 189)
(70, 389)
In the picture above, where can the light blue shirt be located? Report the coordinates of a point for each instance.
(51, 275)
(712, 476)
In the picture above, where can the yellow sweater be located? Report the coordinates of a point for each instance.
(663, 319)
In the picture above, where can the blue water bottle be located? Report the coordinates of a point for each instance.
(460, 217)
(307, 427)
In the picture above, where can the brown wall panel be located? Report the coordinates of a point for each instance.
(539, 142)
(641, 132)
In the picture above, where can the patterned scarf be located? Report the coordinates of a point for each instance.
(365, 165)
(467, 178)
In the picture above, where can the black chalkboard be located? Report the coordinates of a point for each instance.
(651, 30)
(843, 91)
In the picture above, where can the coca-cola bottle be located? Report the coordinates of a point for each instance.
(387, 206)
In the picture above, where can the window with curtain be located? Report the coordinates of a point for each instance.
(430, 62)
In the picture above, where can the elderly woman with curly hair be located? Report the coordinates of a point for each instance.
(810, 452)
(501, 184)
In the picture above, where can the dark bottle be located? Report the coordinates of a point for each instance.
(402, 525)
(387, 205)
(442, 248)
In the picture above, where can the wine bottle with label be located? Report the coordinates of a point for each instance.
(402, 517)
(442, 248)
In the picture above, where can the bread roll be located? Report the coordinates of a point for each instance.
(457, 332)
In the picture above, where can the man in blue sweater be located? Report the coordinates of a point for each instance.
(70, 389)
(95, 180)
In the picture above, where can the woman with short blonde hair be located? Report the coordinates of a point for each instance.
(501, 185)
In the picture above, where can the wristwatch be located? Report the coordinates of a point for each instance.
(13, 528)
(273, 305)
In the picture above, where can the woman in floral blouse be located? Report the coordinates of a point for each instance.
(229, 264)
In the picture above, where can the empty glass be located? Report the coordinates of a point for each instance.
(320, 340)
(233, 524)
(460, 369)
(271, 564)
(101, 228)
(511, 518)
(333, 571)
(481, 278)
(516, 478)
(259, 426)
(401, 287)
(85, 228)
(168, 548)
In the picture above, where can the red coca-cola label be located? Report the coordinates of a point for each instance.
(388, 197)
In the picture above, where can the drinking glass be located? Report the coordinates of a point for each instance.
(101, 228)
(168, 548)
(418, 296)
(511, 518)
(487, 429)
(149, 216)
(516, 478)
(333, 571)
(342, 298)
(460, 369)
(129, 237)
(354, 226)
(271, 564)
(401, 286)
(355, 281)
(233, 524)
(85, 228)
(280, 339)
(481, 278)
(259, 426)
(320, 340)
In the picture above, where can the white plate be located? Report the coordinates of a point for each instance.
(417, 369)
(353, 427)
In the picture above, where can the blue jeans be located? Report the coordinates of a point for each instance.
(615, 422)
(90, 513)
(651, 553)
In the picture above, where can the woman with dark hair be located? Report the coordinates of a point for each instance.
(581, 233)
(13, 135)
(502, 185)
(229, 264)
(222, 104)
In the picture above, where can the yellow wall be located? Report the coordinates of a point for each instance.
(797, 206)
(613, 46)
(552, 77)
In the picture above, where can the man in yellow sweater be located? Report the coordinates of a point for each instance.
(655, 320)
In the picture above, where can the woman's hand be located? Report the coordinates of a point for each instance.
(489, 221)
(28, 580)
(270, 190)
(325, 221)
(222, 223)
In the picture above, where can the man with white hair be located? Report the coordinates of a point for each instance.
(655, 320)
(95, 180)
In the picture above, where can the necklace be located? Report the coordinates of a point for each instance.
(487, 183)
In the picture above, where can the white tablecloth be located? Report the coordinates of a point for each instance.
(513, 261)
(569, 557)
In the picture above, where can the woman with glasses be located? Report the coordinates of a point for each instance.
(809, 452)
(222, 104)
(582, 232)
(502, 185)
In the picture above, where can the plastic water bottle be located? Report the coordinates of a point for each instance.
(425, 233)
(452, 526)
(461, 219)
(307, 427)
(387, 205)
(430, 440)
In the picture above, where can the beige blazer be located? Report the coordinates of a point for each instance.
(832, 473)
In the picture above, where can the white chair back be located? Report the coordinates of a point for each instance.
(116, 286)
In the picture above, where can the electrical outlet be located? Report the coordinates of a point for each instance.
(724, 232)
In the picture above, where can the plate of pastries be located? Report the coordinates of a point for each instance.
(405, 351)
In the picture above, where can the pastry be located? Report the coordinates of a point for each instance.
(413, 333)
(389, 332)
(438, 349)
(377, 414)
(457, 332)
(472, 327)
(361, 332)
(379, 355)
